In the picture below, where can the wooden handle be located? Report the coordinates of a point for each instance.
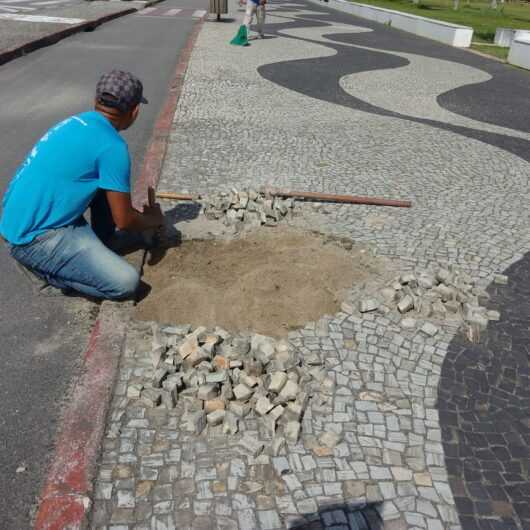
(176, 196)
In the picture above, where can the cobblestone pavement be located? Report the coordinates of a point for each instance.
(320, 105)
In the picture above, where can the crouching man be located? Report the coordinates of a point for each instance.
(81, 163)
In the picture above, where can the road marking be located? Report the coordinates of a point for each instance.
(147, 10)
(199, 13)
(9, 9)
(38, 18)
(19, 8)
(50, 3)
(172, 12)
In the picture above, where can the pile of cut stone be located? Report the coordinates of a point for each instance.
(445, 294)
(219, 379)
(246, 208)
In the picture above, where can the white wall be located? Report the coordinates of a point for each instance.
(445, 32)
(520, 52)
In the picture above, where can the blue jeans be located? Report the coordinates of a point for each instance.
(75, 257)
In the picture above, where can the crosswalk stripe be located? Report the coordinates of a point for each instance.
(199, 13)
(20, 8)
(50, 3)
(172, 12)
(39, 18)
(147, 10)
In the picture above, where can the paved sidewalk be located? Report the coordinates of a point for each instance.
(434, 430)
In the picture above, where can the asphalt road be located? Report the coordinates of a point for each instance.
(42, 339)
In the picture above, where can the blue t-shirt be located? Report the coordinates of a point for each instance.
(56, 183)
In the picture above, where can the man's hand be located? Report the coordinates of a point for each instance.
(127, 218)
(154, 213)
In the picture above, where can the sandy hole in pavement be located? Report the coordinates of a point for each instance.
(269, 282)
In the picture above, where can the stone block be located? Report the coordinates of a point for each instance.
(368, 304)
(195, 422)
(252, 367)
(276, 412)
(212, 405)
(157, 354)
(221, 363)
(134, 390)
(251, 446)
(277, 445)
(438, 309)
(426, 281)
(388, 294)
(289, 391)
(277, 382)
(177, 330)
(500, 279)
(234, 348)
(227, 392)
(429, 329)
(447, 293)
(230, 424)
(216, 417)
(150, 397)
(217, 377)
(291, 431)
(263, 405)
(169, 398)
(346, 308)
(329, 439)
(292, 412)
(453, 306)
(263, 348)
(248, 380)
(408, 323)
(443, 276)
(406, 304)
(195, 358)
(327, 386)
(493, 315)
(242, 392)
(238, 408)
(207, 392)
(188, 346)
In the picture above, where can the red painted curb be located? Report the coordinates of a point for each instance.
(66, 498)
(65, 501)
(48, 40)
(156, 150)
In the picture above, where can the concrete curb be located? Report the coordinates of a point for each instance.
(156, 150)
(52, 38)
(65, 500)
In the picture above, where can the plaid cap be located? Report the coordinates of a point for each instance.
(120, 90)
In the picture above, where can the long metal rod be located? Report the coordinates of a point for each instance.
(349, 199)
(308, 195)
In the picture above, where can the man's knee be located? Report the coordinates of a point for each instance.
(125, 283)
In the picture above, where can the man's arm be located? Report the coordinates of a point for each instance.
(127, 218)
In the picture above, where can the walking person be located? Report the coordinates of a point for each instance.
(256, 7)
(81, 163)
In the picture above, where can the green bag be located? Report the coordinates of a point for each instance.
(241, 38)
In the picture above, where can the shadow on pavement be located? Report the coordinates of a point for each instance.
(342, 516)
